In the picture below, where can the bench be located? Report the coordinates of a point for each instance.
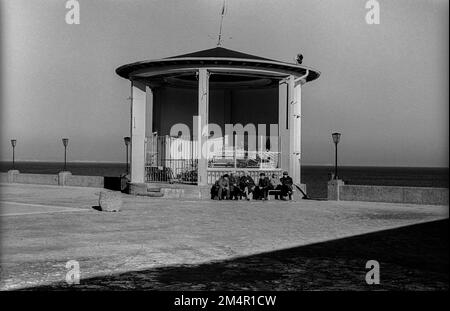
(277, 192)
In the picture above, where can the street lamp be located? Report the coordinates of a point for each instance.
(13, 144)
(65, 142)
(336, 138)
(127, 141)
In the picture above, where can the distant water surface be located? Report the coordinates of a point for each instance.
(315, 177)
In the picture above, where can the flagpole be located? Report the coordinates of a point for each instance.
(219, 41)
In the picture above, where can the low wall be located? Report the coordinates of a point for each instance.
(40, 179)
(62, 179)
(85, 181)
(338, 190)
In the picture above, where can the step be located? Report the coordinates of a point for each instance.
(153, 189)
(151, 194)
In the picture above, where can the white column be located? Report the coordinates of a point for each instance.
(297, 130)
(293, 162)
(202, 130)
(138, 116)
(149, 112)
(283, 130)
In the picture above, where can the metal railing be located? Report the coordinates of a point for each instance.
(173, 171)
(239, 159)
(170, 159)
(174, 159)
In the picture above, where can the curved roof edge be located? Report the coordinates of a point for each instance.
(217, 57)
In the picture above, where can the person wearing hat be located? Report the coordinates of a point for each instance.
(262, 190)
(247, 185)
(215, 190)
(224, 187)
(274, 184)
(286, 186)
(235, 192)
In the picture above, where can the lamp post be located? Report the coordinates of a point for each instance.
(336, 138)
(65, 142)
(13, 144)
(127, 141)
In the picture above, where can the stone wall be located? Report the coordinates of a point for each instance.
(338, 190)
(62, 179)
(41, 179)
(85, 181)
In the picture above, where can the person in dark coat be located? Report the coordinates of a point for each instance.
(215, 190)
(247, 185)
(235, 192)
(286, 186)
(224, 187)
(262, 190)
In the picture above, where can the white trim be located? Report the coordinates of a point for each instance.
(199, 59)
(143, 73)
(301, 79)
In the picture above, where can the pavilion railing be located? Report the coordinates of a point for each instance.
(174, 159)
(251, 152)
(170, 159)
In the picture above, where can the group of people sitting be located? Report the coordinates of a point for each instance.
(229, 187)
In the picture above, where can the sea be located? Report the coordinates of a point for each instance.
(315, 177)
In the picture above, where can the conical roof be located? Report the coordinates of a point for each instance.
(219, 52)
(215, 58)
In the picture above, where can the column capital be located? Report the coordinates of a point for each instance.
(197, 72)
(300, 81)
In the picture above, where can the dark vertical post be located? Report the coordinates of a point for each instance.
(14, 160)
(336, 138)
(127, 141)
(335, 162)
(13, 144)
(65, 158)
(127, 160)
(65, 141)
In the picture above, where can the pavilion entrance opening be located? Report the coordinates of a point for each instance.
(244, 136)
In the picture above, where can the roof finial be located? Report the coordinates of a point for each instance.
(219, 40)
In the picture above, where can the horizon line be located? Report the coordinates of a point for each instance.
(307, 164)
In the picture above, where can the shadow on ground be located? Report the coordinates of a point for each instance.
(411, 258)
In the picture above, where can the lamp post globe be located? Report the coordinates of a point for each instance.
(127, 141)
(65, 142)
(13, 144)
(336, 138)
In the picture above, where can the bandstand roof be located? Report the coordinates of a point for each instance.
(215, 58)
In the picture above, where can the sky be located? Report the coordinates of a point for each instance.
(384, 87)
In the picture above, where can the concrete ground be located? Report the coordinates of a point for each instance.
(43, 227)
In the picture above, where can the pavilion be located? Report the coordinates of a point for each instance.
(214, 86)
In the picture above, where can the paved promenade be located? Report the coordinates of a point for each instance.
(43, 227)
